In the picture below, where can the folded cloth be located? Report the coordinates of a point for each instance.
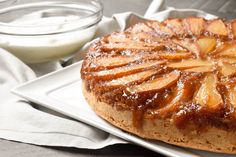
(21, 121)
(25, 122)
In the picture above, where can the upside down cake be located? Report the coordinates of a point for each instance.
(173, 81)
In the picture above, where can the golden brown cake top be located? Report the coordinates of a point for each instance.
(183, 69)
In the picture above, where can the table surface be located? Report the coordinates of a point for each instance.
(222, 8)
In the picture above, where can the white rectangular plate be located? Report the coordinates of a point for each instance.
(61, 91)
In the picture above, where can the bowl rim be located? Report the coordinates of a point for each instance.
(53, 3)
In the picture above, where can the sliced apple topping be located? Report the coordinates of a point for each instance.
(133, 45)
(158, 84)
(147, 37)
(118, 37)
(175, 25)
(234, 28)
(207, 95)
(232, 96)
(227, 69)
(228, 60)
(112, 62)
(161, 29)
(191, 63)
(189, 45)
(125, 70)
(195, 25)
(206, 45)
(175, 56)
(183, 93)
(137, 77)
(202, 69)
(227, 50)
(217, 27)
(140, 27)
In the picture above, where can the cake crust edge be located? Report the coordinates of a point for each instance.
(212, 139)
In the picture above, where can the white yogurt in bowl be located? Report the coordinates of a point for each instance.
(49, 30)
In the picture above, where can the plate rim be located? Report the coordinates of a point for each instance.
(128, 137)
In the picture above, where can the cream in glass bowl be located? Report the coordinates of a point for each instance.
(43, 31)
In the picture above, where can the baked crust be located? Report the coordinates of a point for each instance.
(173, 81)
(214, 139)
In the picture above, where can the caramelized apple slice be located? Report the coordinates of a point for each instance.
(125, 70)
(207, 95)
(233, 25)
(183, 93)
(140, 27)
(202, 69)
(164, 31)
(147, 37)
(161, 29)
(112, 62)
(227, 50)
(175, 25)
(206, 45)
(195, 25)
(232, 95)
(189, 45)
(187, 64)
(143, 36)
(157, 84)
(118, 37)
(227, 69)
(137, 77)
(228, 60)
(217, 27)
(174, 56)
(133, 45)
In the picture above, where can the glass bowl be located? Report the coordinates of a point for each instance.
(44, 31)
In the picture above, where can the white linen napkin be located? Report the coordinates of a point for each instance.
(25, 122)
(22, 121)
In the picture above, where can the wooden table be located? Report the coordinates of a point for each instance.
(222, 8)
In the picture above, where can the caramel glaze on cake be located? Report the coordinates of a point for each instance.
(180, 73)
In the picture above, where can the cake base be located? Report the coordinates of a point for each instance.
(211, 139)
